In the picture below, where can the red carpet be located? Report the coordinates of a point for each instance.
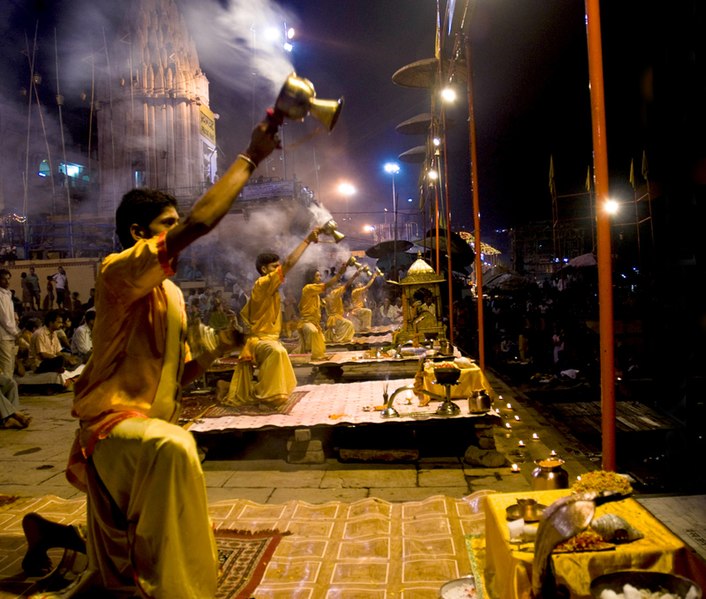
(243, 557)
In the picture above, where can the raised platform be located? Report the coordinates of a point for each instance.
(340, 405)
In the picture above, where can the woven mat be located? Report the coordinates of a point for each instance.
(243, 555)
(368, 548)
(196, 407)
(220, 410)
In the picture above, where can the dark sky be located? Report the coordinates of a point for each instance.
(530, 83)
(531, 98)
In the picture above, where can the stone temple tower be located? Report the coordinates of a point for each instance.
(154, 124)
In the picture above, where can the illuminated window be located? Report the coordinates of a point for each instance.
(70, 169)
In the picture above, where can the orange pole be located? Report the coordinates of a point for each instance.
(605, 285)
(436, 218)
(476, 207)
(449, 264)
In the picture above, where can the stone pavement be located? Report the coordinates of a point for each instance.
(32, 463)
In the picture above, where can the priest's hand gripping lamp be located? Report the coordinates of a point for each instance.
(297, 99)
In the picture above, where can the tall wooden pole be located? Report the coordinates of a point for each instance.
(476, 205)
(605, 286)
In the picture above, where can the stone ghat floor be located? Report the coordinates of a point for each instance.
(32, 464)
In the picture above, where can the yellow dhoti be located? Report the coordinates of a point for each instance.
(275, 378)
(151, 528)
(311, 339)
(363, 319)
(339, 330)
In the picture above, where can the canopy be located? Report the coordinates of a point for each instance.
(387, 248)
(461, 253)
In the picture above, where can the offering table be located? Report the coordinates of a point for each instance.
(508, 569)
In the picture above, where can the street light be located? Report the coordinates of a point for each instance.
(392, 168)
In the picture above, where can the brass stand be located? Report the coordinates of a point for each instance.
(447, 408)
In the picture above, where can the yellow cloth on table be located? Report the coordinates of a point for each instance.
(509, 568)
(471, 379)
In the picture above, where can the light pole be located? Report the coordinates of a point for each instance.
(392, 168)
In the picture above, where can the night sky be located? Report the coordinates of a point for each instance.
(530, 80)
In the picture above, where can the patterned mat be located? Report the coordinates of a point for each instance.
(243, 555)
(218, 411)
(368, 548)
(196, 407)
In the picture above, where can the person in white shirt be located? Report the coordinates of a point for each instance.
(61, 284)
(9, 331)
(389, 313)
(81, 340)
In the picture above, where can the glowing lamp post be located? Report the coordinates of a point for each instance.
(392, 168)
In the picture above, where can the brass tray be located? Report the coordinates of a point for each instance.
(514, 512)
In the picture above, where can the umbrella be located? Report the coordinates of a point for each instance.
(403, 259)
(507, 282)
(415, 155)
(461, 253)
(417, 125)
(583, 260)
(387, 248)
(423, 73)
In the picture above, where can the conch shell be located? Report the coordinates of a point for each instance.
(615, 529)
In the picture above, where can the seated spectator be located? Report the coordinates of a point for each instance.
(10, 415)
(65, 332)
(45, 354)
(218, 318)
(27, 327)
(82, 340)
(388, 313)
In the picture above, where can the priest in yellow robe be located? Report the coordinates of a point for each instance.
(311, 334)
(262, 315)
(362, 315)
(338, 328)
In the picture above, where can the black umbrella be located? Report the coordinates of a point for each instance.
(461, 252)
(387, 248)
(401, 260)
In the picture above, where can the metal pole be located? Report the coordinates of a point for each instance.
(449, 264)
(476, 208)
(394, 224)
(605, 287)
